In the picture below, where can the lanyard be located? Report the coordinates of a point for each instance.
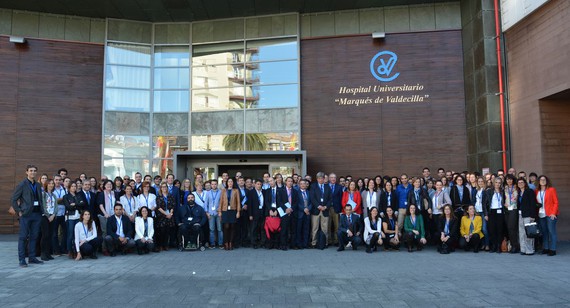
(145, 199)
(33, 188)
(215, 196)
(510, 190)
(413, 221)
(60, 193)
(541, 194)
(85, 230)
(392, 224)
(242, 192)
(201, 196)
(129, 202)
(389, 199)
(371, 194)
(111, 203)
(417, 194)
(498, 198)
(49, 200)
(165, 202)
(350, 196)
(446, 230)
(259, 196)
(479, 195)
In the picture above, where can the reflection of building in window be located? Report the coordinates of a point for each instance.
(282, 142)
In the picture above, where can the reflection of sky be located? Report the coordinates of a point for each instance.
(278, 51)
(277, 96)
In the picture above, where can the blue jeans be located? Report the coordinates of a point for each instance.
(215, 223)
(56, 244)
(70, 233)
(484, 230)
(29, 227)
(548, 229)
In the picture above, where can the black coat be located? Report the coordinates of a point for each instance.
(527, 204)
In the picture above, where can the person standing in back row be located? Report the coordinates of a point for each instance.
(26, 202)
(321, 200)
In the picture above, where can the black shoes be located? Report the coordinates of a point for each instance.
(23, 263)
(552, 253)
(340, 248)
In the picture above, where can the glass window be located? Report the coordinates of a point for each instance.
(267, 50)
(113, 167)
(278, 96)
(218, 76)
(281, 141)
(233, 142)
(172, 56)
(217, 99)
(164, 146)
(126, 146)
(162, 167)
(273, 72)
(127, 100)
(171, 78)
(127, 77)
(171, 101)
(225, 53)
(118, 53)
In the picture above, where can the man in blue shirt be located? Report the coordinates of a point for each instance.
(402, 192)
(212, 203)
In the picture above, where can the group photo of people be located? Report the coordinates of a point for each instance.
(82, 216)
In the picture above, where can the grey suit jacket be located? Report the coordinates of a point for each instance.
(23, 198)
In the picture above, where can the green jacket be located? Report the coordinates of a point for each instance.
(408, 226)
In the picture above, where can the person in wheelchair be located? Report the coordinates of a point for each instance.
(190, 219)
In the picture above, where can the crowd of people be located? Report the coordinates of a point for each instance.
(83, 217)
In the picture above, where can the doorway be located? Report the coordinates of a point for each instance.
(247, 171)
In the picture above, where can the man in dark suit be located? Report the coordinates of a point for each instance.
(190, 220)
(270, 200)
(26, 203)
(350, 229)
(175, 192)
(256, 203)
(89, 198)
(335, 209)
(321, 199)
(287, 199)
(303, 215)
(118, 230)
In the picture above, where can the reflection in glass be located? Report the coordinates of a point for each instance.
(275, 72)
(232, 142)
(162, 167)
(126, 146)
(225, 53)
(127, 77)
(171, 101)
(218, 76)
(206, 172)
(164, 146)
(277, 96)
(127, 100)
(266, 50)
(119, 167)
(172, 56)
(282, 142)
(171, 78)
(217, 99)
(118, 53)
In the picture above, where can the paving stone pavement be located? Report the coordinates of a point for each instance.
(306, 278)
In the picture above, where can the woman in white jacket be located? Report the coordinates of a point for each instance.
(144, 231)
(373, 230)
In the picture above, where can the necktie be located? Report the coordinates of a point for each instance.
(332, 188)
(349, 221)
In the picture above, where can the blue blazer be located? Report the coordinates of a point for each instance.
(356, 225)
(300, 210)
(336, 198)
(316, 196)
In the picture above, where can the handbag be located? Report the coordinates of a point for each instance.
(532, 231)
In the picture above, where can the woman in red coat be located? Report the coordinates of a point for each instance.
(547, 200)
(352, 197)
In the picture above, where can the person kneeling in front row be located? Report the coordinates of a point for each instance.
(86, 240)
(414, 232)
(144, 231)
(373, 230)
(349, 230)
(191, 219)
(118, 230)
(471, 234)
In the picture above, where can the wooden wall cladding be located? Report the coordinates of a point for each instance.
(383, 138)
(51, 112)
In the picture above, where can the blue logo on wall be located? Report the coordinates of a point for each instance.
(382, 64)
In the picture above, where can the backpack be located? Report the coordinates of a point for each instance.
(321, 239)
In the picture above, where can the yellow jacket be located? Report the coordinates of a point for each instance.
(477, 225)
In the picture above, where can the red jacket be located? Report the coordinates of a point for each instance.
(550, 201)
(356, 198)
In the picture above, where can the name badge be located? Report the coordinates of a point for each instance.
(273, 205)
(406, 203)
(213, 208)
(520, 212)
(167, 212)
(499, 211)
(260, 206)
(229, 208)
(189, 218)
(322, 200)
(36, 203)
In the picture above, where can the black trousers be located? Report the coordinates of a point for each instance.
(411, 240)
(257, 230)
(45, 241)
(286, 228)
(472, 244)
(190, 233)
(91, 247)
(512, 222)
(495, 227)
(242, 238)
(343, 239)
(144, 246)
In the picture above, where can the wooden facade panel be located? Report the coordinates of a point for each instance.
(52, 106)
(383, 138)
